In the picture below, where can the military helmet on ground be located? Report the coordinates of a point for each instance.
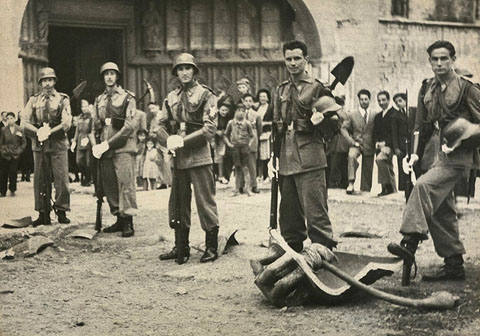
(184, 59)
(109, 66)
(46, 73)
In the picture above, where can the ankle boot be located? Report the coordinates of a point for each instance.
(41, 219)
(62, 217)
(127, 228)
(406, 249)
(211, 246)
(116, 227)
(452, 270)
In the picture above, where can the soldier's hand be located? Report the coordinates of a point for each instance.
(43, 133)
(174, 142)
(272, 169)
(72, 147)
(413, 160)
(317, 117)
(99, 149)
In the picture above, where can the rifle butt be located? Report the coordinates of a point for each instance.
(406, 273)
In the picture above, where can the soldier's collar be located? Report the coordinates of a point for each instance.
(304, 77)
(52, 93)
(188, 86)
(115, 89)
(444, 82)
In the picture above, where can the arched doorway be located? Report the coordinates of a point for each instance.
(230, 38)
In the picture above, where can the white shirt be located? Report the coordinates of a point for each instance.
(363, 112)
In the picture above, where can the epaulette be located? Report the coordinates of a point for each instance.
(427, 80)
(130, 93)
(64, 95)
(209, 89)
(37, 94)
(318, 80)
(284, 83)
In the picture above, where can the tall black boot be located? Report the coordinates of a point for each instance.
(211, 246)
(41, 219)
(172, 255)
(452, 270)
(116, 227)
(127, 228)
(62, 217)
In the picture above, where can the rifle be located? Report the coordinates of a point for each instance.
(409, 181)
(276, 145)
(175, 221)
(98, 181)
(46, 187)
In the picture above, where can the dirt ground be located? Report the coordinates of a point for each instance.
(118, 286)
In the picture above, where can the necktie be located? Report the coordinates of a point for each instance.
(365, 117)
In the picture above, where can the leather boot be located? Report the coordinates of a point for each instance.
(406, 249)
(41, 220)
(452, 270)
(116, 227)
(211, 246)
(172, 255)
(127, 228)
(62, 217)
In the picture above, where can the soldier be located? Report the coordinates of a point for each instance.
(193, 108)
(302, 159)
(116, 123)
(46, 119)
(431, 206)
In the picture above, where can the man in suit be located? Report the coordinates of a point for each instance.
(383, 137)
(403, 125)
(358, 130)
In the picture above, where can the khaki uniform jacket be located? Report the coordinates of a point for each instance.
(34, 113)
(430, 109)
(123, 140)
(192, 104)
(300, 152)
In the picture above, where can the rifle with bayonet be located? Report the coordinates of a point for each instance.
(408, 152)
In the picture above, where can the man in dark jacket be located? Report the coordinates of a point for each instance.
(12, 144)
(383, 138)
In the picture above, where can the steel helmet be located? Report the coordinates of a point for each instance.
(46, 73)
(184, 59)
(459, 130)
(326, 104)
(109, 66)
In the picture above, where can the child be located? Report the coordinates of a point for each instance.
(223, 119)
(150, 166)
(239, 137)
(140, 156)
(83, 141)
(255, 121)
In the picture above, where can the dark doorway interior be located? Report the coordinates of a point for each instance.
(76, 54)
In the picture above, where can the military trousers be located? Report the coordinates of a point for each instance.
(203, 182)
(367, 168)
(384, 161)
(118, 182)
(55, 165)
(431, 208)
(303, 208)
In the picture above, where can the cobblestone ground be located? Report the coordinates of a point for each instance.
(117, 286)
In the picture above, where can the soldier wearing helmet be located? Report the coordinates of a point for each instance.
(431, 205)
(46, 119)
(191, 110)
(116, 122)
(302, 159)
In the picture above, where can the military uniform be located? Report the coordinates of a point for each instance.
(194, 110)
(54, 109)
(431, 206)
(302, 164)
(117, 121)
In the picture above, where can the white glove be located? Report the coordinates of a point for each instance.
(446, 149)
(413, 159)
(174, 142)
(72, 147)
(316, 118)
(84, 142)
(99, 149)
(43, 132)
(272, 171)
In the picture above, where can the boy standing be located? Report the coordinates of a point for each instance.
(239, 136)
(255, 121)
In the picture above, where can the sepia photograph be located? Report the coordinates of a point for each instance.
(240, 167)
